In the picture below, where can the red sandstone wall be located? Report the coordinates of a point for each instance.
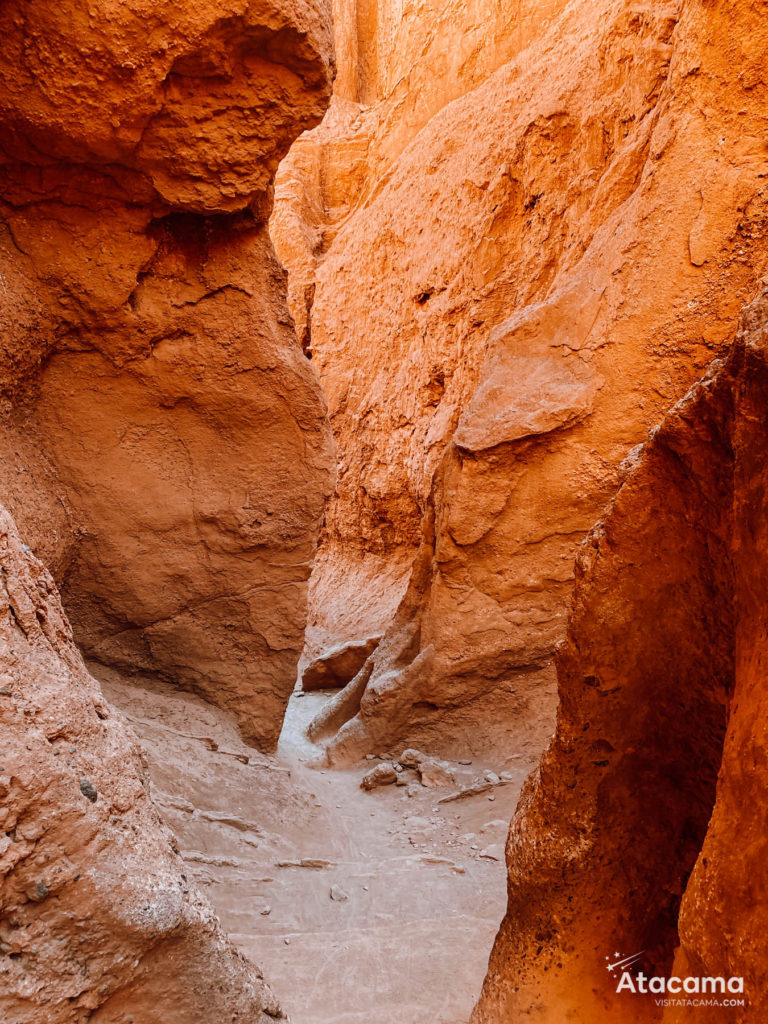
(174, 435)
(499, 317)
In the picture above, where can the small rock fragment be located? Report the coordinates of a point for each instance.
(493, 852)
(88, 790)
(266, 911)
(337, 894)
(468, 791)
(428, 859)
(411, 758)
(496, 823)
(39, 892)
(435, 773)
(383, 774)
(306, 862)
(491, 777)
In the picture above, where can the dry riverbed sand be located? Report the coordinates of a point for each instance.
(362, 907)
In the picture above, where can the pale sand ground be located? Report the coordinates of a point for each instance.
(411, 944)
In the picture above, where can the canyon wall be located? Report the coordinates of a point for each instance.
(98, 921)
(165, 447)
(164, 450)
(643, 829)
(505, 277)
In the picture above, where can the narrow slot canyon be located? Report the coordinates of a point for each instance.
(383, 488)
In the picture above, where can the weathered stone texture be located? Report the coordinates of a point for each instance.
(174, 435)
(97, 919)
(502, 306)
(643, 827)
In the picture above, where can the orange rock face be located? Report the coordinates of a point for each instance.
(165, 450)
(173, 434)
(505, 281)
(97, 918)
(624, 838)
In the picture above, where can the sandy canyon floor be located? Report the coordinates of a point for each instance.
(361, 907)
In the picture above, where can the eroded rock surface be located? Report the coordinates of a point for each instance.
(339, 666)
(98, 918)
(172, 433)
(509, 256)
(643, 827)
(165, 451)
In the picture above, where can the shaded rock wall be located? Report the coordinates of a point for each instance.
(172, 435)
(500, 308)
(643, 829)
(97, 919)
